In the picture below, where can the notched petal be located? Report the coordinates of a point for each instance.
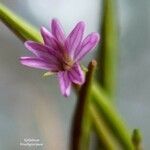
(34, 47)
(76, 75)
(64, 83)
(88, 44)
(75, 37)
(48, 38)
(44, 52)
(57, 31)
(34, 62)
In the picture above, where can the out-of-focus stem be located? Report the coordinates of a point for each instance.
(108, 49)
(108, 142)
(80, 130)
(112, 118)
(18, 26)
(137, 139)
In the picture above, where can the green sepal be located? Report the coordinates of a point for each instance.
(46, 74)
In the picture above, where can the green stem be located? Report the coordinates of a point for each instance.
(81, 124)
(18, 26)
(107, 52)
(114, 121)
(106, 139)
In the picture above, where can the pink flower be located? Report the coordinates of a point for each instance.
(61, 54)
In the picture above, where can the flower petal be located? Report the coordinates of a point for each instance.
(87, 45)
(64, 83)
(75, 37)
(57, 31)
(34, 47)
(48, 38)
(34, 62)
(43, 51)
(76, 74)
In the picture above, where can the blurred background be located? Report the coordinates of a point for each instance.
(32, 106)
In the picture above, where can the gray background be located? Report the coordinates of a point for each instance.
(32, 106)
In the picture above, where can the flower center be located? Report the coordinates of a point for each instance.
(67, 63)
